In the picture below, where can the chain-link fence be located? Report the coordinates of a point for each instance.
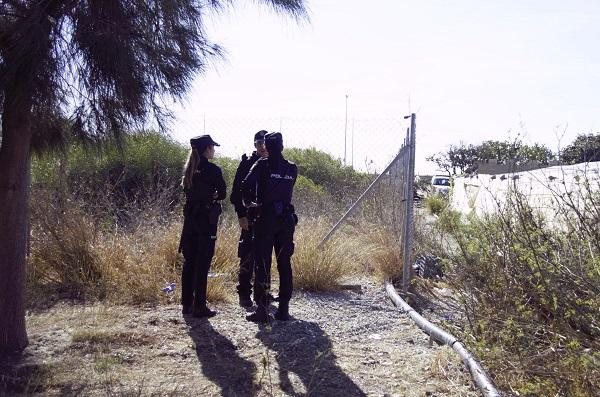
(365, 144)
(355, 173)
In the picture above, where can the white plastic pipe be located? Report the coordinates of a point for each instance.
(479, 376)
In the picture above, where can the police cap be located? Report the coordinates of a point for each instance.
(260, 136)
(274, 138)
(203, 141)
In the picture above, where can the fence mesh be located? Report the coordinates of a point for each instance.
(358, 150)
(370, 144)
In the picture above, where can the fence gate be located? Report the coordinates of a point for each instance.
(400, 175)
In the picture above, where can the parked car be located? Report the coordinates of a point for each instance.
(440, 184)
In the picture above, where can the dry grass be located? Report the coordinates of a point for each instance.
(62, 249)
(317, 267)
(73, 256)
(105, 340)
(385, 253)
(225, 264)
(446, 364)
(83, 256)
(136, 266)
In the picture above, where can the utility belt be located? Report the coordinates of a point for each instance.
(193, 211)
(275, 208)
(213, 210)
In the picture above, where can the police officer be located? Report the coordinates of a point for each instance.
(244, 287)
(267, 190)
(204, 186)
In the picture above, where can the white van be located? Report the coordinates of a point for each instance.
(440, 184)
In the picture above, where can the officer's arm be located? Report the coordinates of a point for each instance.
(236, 189)
(220, 185)
(249, 185)
(294, 173)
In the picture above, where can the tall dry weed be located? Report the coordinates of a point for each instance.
(385, 253)
(529, 291)
(136, 266)
(92, 256)
(79, 255)
(225, 264)
(320, 268)
(61, 248)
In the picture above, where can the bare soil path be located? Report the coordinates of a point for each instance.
(338, 344)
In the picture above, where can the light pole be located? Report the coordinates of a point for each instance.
(352, 143)
(345, 129)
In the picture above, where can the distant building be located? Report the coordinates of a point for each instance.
(494, 166)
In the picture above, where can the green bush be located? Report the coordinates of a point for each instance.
(530, 294)
(339, 181)
(117, 179)
(435, 204)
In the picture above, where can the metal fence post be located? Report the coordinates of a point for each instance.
(408, 218)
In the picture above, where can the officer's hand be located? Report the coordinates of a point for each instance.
(243, 222)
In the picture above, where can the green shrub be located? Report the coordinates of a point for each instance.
(117, 180)
(435, 204)
(530, 295)
(339, 181)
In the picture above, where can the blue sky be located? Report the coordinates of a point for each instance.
(470, 70)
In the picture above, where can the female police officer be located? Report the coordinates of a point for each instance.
(204, 185)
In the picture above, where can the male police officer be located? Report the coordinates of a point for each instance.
(268, 190)
(244, 287)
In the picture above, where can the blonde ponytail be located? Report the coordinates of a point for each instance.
(190, 167)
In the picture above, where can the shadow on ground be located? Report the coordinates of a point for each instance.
(20, 375)
(220, 360)
(302, 348)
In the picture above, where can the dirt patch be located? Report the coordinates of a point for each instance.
(351, 343)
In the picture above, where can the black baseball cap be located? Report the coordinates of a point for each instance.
(203, 140)
(260, 136)
(274, 137)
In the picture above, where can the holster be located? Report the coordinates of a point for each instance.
(290, 211)
(214, 211)
(253, 213)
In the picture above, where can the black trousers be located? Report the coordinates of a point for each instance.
(198, 247)
(273, 232)
(246, 255)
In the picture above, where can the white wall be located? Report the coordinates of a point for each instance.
(544, 188)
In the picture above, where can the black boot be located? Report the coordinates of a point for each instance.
(282, 313)
(245, 301)
(204, 312)
(261, 315)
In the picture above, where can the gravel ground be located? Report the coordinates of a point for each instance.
(349, 343)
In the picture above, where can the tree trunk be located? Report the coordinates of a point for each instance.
(15, 171)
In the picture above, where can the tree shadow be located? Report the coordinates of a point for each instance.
(20, 375)
(303, 348)
(220, 361)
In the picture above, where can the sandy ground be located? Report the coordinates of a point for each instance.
(351, 343)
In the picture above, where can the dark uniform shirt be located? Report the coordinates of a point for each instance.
(269, 183)
(236, 190)
(207, 180)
